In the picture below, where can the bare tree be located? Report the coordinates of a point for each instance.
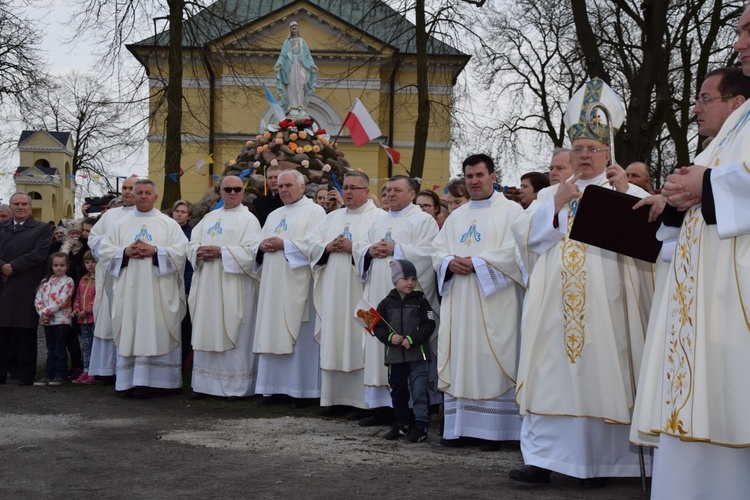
(105, 132)
(21, 68)
(654, 54)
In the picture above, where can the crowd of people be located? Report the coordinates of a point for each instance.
(490, 309)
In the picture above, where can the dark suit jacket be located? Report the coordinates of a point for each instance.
(25, 249)
(264, 205)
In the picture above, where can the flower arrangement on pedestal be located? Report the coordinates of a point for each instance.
(293, 144)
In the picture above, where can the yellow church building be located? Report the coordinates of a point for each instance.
(363, 49)
(45, 173)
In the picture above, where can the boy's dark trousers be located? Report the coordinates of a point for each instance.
(405, 376)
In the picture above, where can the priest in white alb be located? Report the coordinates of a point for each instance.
(288, 356)
(337, 291)
(480, 281)
(223, 297)
(694, 400)
(574, 374)
(146, 254)
(406, 233)
(103, 352)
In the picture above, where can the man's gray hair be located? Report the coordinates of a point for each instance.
(557, 151)
(298, 176)
(4, 208)
(144, 181)
(22, 193)
(361, 175)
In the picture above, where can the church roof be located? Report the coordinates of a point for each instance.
(44, 170)
(61, 137)
(372, 17)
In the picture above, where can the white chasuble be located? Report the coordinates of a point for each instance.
(338, 288)
(693, 385)
(148, 301)
(217, 297)
(574, 358)
(413, 231)
(286, 276)
(479, 313)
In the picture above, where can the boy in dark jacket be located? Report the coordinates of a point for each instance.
(406, 329)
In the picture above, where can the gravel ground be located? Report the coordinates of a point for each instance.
(84, 442)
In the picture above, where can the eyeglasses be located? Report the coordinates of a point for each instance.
(233, 189)
(593, 151)
(351, 188)
(425, 206)
(704, 100)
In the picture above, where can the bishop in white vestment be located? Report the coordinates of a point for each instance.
(694, 400)
(223, 297)
(574, 375)
(406, 233)
(103, 352)
(337, 291)
(146, 252)
(288, 361)
(480, 281)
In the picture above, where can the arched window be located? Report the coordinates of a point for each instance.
(41, 163)
(34, 195)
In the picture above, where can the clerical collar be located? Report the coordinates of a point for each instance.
(399, 213)
(487, 203)
(233, 209)
(360, 209)
(150, 213)
(131, 207)
(596, 180)
(297, 203)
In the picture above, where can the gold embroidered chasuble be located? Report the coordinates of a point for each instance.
(148, 301)
(219, 289)
(478, 340)
(338, 288)
(285, 277)
(694, 380)
(413, 231)
(573, 358)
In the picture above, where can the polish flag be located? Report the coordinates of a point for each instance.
(393, 155)
(361, 125)
(367, 315)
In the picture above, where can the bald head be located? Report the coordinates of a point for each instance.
(231, 191)
(128, 184)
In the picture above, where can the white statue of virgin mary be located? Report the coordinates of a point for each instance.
(296, 72)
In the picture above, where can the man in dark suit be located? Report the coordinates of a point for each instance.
(24, 243)
(266, 204)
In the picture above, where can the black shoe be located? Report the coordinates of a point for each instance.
(232, 399)
(299, 403)
(381, 417)
(417, 434)
(24, 382)
(357, 414)
(274, 399)
(594, 482)
(459, 442)
(126, 394)
(530, 474)
(197, 396)
(489, 446)
(395, 433)
(332, 411)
